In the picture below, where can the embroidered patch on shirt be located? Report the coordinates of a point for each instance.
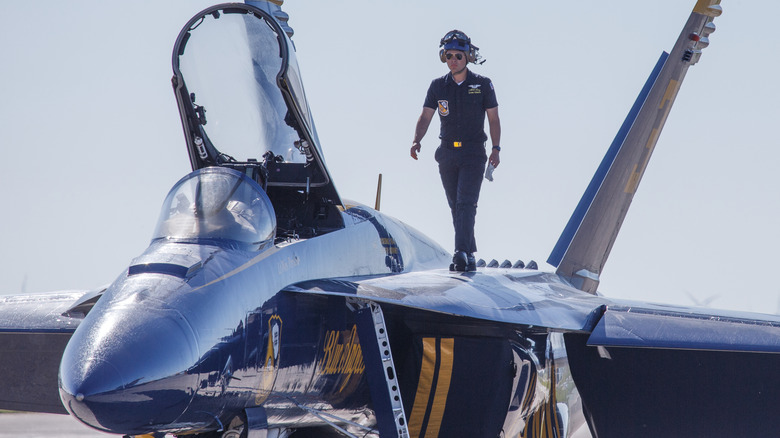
(474, 89)
(444, 108)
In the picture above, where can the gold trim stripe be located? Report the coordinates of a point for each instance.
(633, 180)
(435, 380)
(671, 91)
(423, 387)
(442, 388)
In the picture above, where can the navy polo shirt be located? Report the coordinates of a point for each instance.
(462, 107)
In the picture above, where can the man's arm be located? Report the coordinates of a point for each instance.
(421, 129)
(495, 134)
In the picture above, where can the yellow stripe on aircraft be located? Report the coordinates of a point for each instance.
(653, 139)
(636, 174)
(442, 388)
(390, 246)
(530, 393)
(423, 387)
(633, 180)
(664, 107)
(544, 421)
(671, 91)
(435, 379)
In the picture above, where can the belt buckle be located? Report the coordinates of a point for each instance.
(457, 144)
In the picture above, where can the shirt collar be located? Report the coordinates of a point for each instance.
(450, 80)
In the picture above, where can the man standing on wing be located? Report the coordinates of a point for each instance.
(462, 99)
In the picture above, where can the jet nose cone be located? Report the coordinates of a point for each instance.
(87, 386)
(130, 371)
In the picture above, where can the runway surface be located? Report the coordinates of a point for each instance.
(45, 426)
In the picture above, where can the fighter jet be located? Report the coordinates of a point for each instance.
(267, 305)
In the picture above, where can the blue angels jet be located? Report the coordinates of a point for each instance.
(268, 306)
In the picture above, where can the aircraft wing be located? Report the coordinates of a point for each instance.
(34, 330)
(641, 325)
(545, 301)
(656, 370)
(587, 240)
(640, 369)
(511, 296)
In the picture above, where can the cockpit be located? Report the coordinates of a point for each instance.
(217, 205)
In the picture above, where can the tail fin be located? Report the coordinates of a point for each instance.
(587, 240)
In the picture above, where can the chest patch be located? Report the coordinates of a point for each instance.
(475, 89)
(444, 108)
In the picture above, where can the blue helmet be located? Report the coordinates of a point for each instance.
(457, 40)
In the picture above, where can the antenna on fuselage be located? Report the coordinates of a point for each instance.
(378, 192)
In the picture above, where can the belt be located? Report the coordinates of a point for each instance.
(461, 144)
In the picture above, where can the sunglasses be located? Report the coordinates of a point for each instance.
(457, 55)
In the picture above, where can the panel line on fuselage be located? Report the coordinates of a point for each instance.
(253, 261)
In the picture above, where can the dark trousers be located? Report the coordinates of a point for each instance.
(461, 171)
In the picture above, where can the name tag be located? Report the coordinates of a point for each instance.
(457, 144)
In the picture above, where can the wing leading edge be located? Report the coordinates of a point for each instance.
(587, 240)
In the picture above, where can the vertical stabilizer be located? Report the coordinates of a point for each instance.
(587, 240)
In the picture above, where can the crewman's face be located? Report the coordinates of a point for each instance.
(456, 60)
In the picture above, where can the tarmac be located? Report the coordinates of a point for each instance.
(27, 425)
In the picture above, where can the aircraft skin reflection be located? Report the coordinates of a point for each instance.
(153, 338)
(268, 306)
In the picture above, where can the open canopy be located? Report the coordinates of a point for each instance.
(242, 101)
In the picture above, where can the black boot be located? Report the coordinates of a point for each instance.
(459, 261)
(471, 262)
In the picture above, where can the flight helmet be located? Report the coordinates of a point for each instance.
(457, 40)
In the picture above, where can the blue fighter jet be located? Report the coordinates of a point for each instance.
(268, 306)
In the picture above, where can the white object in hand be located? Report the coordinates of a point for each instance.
(489, 172)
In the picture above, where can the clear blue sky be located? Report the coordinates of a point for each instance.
(92, 140)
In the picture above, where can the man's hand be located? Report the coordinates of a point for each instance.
(415, 149)
(494, 158)
(420, 129)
